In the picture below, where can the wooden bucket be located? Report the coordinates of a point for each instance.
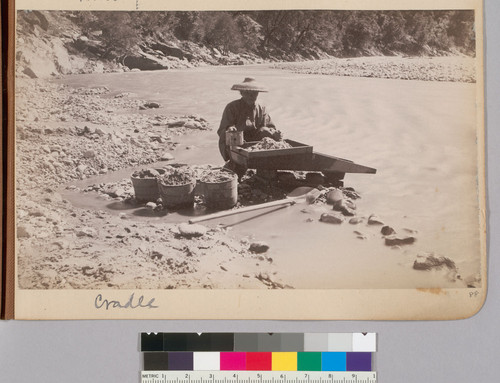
(177, 196)
(220, 195)
(234, 138)
(145, 189)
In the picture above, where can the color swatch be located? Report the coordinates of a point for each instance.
(259, 342)
(257, 361)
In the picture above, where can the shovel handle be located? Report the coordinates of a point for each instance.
(226, 213)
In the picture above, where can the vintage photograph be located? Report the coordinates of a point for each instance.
(272, 149)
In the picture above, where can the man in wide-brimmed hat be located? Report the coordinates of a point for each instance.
(247, 116)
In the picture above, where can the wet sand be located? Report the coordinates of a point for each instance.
(420, 136)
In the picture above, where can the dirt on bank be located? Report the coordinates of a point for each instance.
(66, 134)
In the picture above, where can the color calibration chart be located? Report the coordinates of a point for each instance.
(258, 357)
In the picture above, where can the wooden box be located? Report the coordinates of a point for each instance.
(298, 157)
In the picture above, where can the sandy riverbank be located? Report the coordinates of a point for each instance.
(444, 68)
(67, 134)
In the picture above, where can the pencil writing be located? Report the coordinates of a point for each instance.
(131, 303)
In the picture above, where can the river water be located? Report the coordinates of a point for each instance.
(420, 136)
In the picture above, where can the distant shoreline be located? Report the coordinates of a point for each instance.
(443, 68)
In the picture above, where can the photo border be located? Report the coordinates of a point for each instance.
(352, 304)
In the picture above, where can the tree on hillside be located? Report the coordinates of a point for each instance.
(428, 29)
(217, 30)
(186, 23)
(118, 33)
(392, 30)
(224, 34)
(250, 32)
(155, 24)
(461, 30)
(319, 30)
(287, 34)
(440, 38)
(273, 25)
(360, 33)
(305, 25)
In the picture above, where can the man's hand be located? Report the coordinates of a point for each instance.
(277, 136)
(271, 133)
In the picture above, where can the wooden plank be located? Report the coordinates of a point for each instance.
(226, 213)
(326, 163)
(301, 161)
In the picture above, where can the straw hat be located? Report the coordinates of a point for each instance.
(249, 83)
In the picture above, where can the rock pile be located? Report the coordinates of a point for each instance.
(65, 134)
(455, 68)
(216, 176)
(175, 176)
(269, 144)
(342, 200)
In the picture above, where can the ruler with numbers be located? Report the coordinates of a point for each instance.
(258, 377)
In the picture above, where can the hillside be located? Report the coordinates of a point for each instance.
(64, 42)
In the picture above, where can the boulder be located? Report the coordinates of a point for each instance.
(192, 230)
(168, 50)
(86, 232)
(166, 157)
(30, 73)
(374, 220)
(193, 125)
(258, 247)
(432, 262)
(344, 207)
(398, 241)
(334, 196)
(143, 63)
(313, 195)
(119, 192)
(22, 232)
(351, 193)
(350, 204)
(89, 154)
(387, 230)
(81, 168)
(335, 218)
(151, 105)
(156, 255)
(151, 206)
(176, 124)
(355, 220)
